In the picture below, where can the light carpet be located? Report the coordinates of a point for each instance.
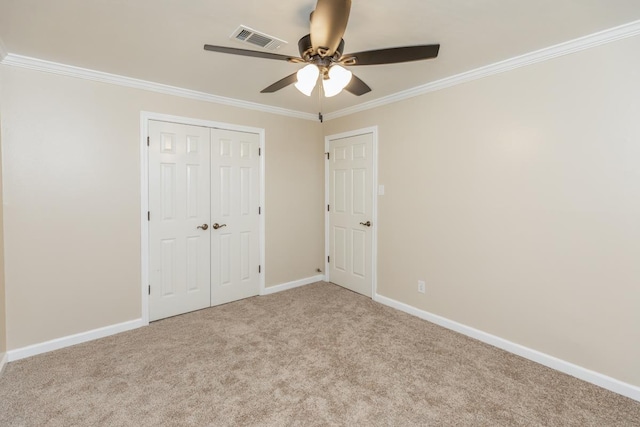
(318, 355)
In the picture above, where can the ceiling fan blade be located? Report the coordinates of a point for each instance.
(357, 86)
(280, 84)
(253, 53)
(328, 23)
(393, 55)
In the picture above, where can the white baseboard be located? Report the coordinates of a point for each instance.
(4, 359)
(58, 343)
(291, 285)
(617, 386)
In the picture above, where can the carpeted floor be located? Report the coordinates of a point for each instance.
(316, 355)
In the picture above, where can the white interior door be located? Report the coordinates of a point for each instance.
(235, 250)
(179, 205)
(351, 212)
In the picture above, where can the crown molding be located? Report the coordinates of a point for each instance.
(99, 76)
(607, 36)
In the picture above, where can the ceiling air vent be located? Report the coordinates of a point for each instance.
(247, 35)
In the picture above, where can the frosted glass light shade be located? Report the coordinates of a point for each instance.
(339, 78)
(307, 78)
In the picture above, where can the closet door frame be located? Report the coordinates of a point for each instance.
(145, 117)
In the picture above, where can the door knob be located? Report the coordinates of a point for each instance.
(366, 224)
(216, 226)
(203, 226)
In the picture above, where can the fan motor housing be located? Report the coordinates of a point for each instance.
(307, 52)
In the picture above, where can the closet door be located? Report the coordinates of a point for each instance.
(179, 225)
(235, 196)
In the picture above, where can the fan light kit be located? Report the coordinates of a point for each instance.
(322, 49)
(307, 78)
(337, 79)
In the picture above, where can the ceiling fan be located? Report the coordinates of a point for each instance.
(322, 51)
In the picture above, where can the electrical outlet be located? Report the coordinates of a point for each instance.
(421, 286)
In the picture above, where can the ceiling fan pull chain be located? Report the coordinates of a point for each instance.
(320, 117)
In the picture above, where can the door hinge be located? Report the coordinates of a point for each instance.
(328, 208)
(149, 289)
(259, 151)
(147, 141)
(259, 269)
(259, 210)
(148, 216)
(328, 156)
(328, 259)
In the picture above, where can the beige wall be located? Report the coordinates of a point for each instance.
(3, 317)
(517, 198)
(72, 199)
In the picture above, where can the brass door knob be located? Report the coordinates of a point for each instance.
(203, 226)
(216, 226)
(366, 224)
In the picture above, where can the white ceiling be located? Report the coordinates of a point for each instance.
(162, 40)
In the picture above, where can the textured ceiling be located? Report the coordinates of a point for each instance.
(162, 40)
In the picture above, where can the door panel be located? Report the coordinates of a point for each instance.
(340, 191)
(359, 191)
(359, 251)
(235, 250)
(168, 267)
(223, 257)
(193, 258)
(351, 201)
(179, 200)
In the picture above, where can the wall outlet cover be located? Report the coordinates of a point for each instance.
(421, 286)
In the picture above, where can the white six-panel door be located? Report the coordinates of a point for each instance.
(351, 212)
(179, 203)
(204, 193)
(235, 202)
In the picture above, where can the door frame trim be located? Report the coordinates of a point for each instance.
(145, 116)
(373, 130)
